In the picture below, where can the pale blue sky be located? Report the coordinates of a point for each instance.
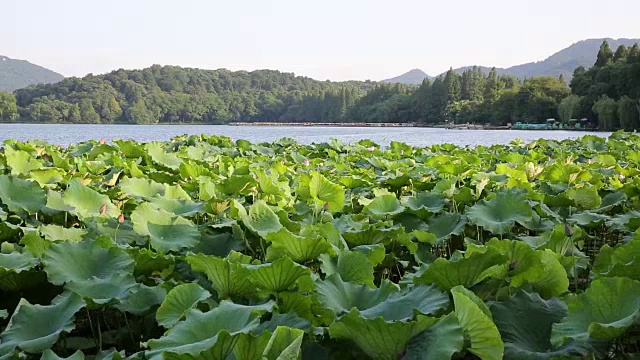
(329, 39)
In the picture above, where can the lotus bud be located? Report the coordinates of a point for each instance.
(306, 163)
(621, 177)
(567, 230)
(46, 157)
(371, 148)
(326, 206)
(121, 218)
(402, 152)
(103, 209)
(102, 141)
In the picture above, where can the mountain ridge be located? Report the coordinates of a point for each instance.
(563, 62)
(17, 74)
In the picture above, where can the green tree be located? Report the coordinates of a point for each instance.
(491, 87)
(8, 107)
(633, 55)
(569, 108)
(607, 111)
(605, 55)
(87, 112)
(621, 54)
(628, 113)
(140, 114)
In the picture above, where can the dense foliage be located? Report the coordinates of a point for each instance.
(610, 90)
(205, 248)
(177, 95)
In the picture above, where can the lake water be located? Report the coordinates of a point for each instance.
(64, 134)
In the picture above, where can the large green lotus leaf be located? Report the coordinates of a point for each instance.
(178, 302)
(465, 271)
(219, 244)
(141, 299)
(291, 320)
(587, 218)
(612, 199)
(298, 248)
(162, 157)
(199, 331)
(237, 185)
(88, 202)
(351, 266)
(89, 270)
(166, 231)
(55, 203)
(53, 232)
(51, 320)
(284, 344)
(439, 342)
(141, 188)
(379, 339)
(445, 225)
(603, 312)
(384, 205)
(324, 191)
(431, 202)
(178, 206)
(251, 347)
(525, 320)
(401, 306)
(47, 176)
(66, 262)
(584, 198)
(279, 275)
(500, 214)
(21, 195)
(228, 278)
(622, 260)
(260, 218)
(34, 244)
(50, 355)
(629, 221)
(103, 290)
(21, 162)
(16, 262)
(539, 268)
(486, 342)
(341, 296)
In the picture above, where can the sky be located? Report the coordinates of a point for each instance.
(326, 40)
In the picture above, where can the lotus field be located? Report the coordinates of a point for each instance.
(207, 248)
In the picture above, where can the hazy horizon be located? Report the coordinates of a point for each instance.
(337, 41)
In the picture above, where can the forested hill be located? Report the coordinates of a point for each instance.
(169, 94)
(16, 74)
(563, 62)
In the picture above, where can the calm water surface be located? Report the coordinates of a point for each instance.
(64, 134)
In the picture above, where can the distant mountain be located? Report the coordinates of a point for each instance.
(413, 77)
(582, 53)
(17, 74)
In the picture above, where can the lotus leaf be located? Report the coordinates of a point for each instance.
(52, 320)
(21, 195)
(324, 191)
(525, 322)
(603, 312)
(166, 231)
(485, 339)
(178, 302)
(501, 213)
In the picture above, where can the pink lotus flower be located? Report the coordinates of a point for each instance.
(306, 163)
(103, 209)
(371, 148)
(402, 152)
(102, 141)
(326, 206)
(121, 218)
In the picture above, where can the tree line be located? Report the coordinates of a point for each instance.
(607, 95)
